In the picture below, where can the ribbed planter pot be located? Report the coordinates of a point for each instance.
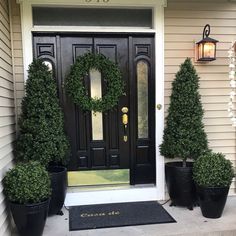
(180, 185)
(58, 175)
(212, 200)
(30, 219)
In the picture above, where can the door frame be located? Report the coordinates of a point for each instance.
(151, 193)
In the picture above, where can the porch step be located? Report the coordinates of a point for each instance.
(115, 195)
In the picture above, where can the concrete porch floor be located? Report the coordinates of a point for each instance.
(188, 223)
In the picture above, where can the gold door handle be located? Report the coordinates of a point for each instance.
(125, 121)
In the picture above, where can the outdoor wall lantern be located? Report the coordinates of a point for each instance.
(206, 48)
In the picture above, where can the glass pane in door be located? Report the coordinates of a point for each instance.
(96, 92)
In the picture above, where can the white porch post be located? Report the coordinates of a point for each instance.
(159, 60)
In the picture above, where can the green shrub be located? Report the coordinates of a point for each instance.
(27, 183)
(41, 137)
(184, 136)
(213, 170)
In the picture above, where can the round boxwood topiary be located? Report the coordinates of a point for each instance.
(212, 170)
(27, 183)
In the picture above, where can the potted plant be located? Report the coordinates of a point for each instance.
(27, 188)
(41, 130)
(184, 136)
(212, 174)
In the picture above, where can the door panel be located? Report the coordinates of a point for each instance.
(108, 150)
(77, 122)
(116, 49)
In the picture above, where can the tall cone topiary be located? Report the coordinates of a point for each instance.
(184, 136)
(41, 126)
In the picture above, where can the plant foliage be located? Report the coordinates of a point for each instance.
(41, 124)
(213, 170)
(110, 74)
(27, 183)
(184, 134)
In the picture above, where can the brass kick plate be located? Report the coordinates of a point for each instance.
(98, 177)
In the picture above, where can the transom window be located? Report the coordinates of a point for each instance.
(109, 17)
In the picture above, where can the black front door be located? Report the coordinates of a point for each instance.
(102, 141)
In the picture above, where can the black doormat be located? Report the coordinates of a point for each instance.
(117, 215)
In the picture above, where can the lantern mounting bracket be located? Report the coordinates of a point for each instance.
(206, 31)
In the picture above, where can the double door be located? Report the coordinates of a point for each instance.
(124, 137)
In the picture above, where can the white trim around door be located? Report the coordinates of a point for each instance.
(120, 195)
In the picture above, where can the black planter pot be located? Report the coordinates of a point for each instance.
(212, 200)
(58, 175)
(30, 219)
(180, 184)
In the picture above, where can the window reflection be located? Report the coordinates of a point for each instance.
(48, 64)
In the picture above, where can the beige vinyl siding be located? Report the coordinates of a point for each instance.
(184, 23)
(18, 54)
(7, 109)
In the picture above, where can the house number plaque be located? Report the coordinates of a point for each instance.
(99, 1)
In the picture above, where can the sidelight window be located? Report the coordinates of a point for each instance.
(142, 98)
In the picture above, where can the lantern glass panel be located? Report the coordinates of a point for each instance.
(209, 50)
(200, 50)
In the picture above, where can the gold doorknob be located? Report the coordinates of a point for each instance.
(159, 106)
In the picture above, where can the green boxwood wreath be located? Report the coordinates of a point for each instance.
(111, 75)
